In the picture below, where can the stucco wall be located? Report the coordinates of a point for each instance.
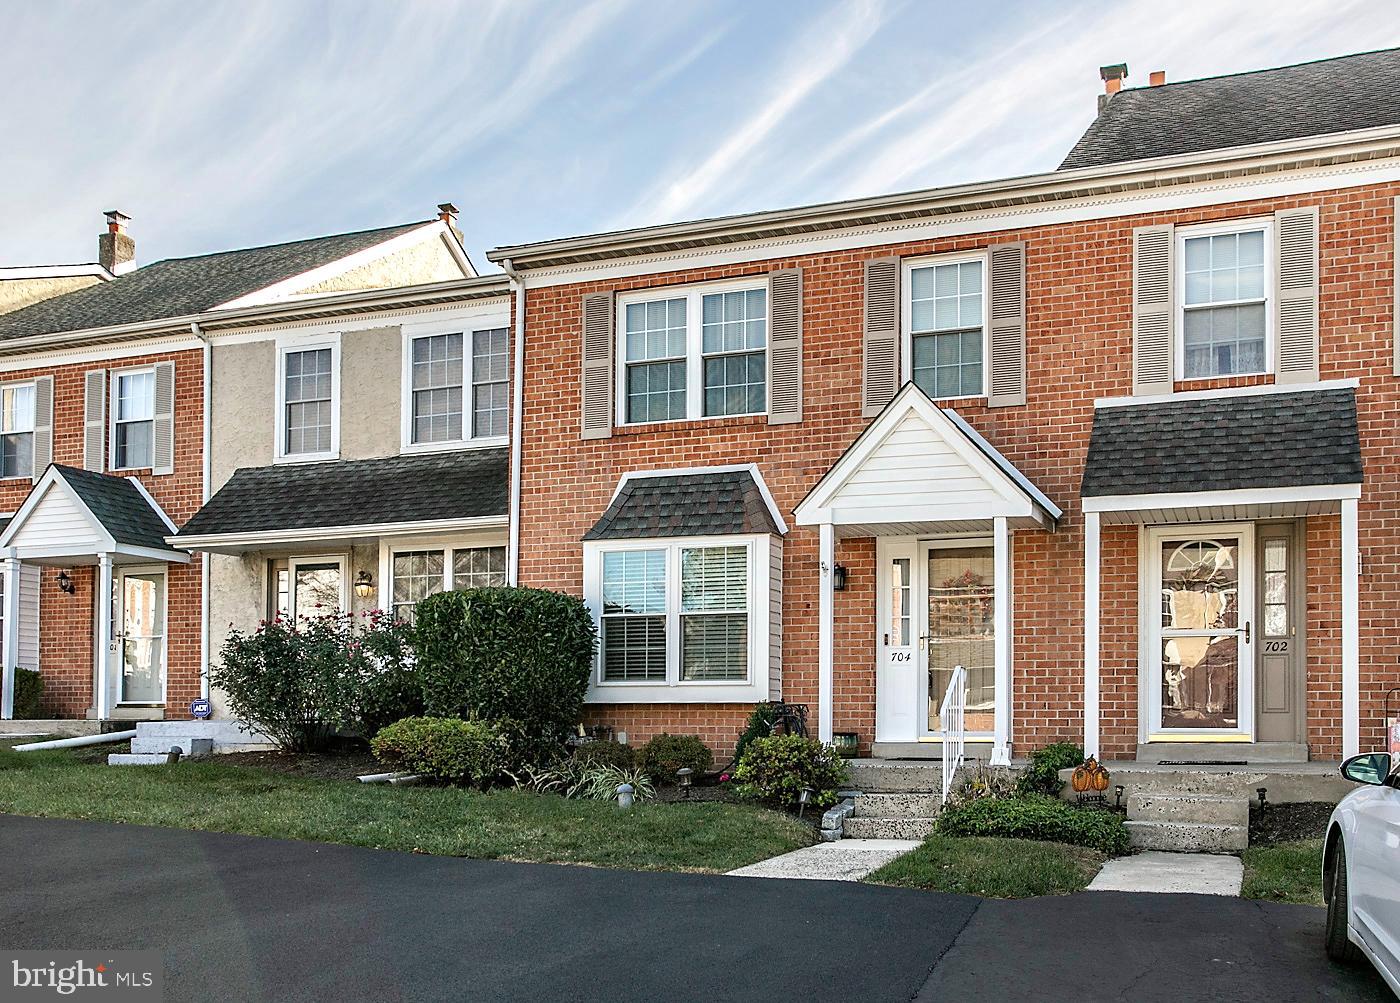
(370, 385)
(17, 293)
(243, 402)
(429, 261)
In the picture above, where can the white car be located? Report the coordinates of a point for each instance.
(1361, 868)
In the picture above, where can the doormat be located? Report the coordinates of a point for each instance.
(1201, 762)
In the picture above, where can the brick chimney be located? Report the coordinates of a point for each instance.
(1157, 78)
(1113, 77)
(116, 251)
(447, 212)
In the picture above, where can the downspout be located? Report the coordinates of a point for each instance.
(198, 332)
(517, 422)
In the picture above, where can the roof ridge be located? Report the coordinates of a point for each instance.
(1261, 70)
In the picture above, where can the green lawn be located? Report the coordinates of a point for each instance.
(1284, 872)
(992, 867)
(509, 825)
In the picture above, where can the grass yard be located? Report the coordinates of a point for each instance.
(992, 867)
(1284, 872)
(507, 825)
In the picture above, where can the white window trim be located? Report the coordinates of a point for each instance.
(343, 560)
(7, 385)
(906, 313)
(114, 381)
(694, 356)
(280, 454)
(465, 326)
(673, 689)
(1182, 233)
(449, 548)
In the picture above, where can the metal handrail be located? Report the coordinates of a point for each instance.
(953, 713)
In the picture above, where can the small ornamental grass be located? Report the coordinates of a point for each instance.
(1037, 816)
(776, 769)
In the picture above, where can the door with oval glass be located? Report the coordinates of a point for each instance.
(1280, 691)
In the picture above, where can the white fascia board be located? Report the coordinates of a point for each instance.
(54, 272)
(251, 541)
(289, 287)
(750, 468)
(1218, 393)
(1207, 499)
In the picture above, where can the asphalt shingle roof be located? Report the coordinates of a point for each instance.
(119, 506)
(714, 503)
(179, 287)
(396, 489)
(1260, 441)
(1288, 102)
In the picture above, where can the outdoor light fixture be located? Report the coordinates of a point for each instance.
(1263, 793)
(683, 778)
(625, 795)
(364, 585)
(838, 578)
(65, 584)
(1118, 796)
(803, 796)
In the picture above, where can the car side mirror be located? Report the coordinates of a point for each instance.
(1372, 768)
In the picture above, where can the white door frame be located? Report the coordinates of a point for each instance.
(1150, 633)
(118, 656)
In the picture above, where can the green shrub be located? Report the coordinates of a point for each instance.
(443, 748)
(778, 768)
(302, 682)
(29, 694)
(615, 754)
(1037, 816)
(1043, 775)
(522, 654)
(665, 754)
(759, 725)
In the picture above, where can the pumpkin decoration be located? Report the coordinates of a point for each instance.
(1089, 775)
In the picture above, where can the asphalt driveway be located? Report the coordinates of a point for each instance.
(239, 918)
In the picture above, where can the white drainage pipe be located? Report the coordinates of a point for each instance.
(73, 743)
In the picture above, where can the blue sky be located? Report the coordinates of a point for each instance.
(228, 124)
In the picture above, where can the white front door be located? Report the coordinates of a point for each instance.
(141, 637)
(897, 678)
(1199, 617)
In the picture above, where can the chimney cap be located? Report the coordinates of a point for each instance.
(446, 210)
(116, 216)
(1115, 71)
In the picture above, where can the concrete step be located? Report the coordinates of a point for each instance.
(136, 759)
(226, 735)
(1188, 837)
(910, 804)
(865, 827)
(161, 745)
(1204, 808)
(892, 776)
(1247, 752)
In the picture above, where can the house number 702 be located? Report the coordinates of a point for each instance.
(1275, 647)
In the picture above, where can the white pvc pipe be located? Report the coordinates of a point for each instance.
(376, 778)
(73, 743)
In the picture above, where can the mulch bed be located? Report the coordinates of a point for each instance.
(1282, 823)
(345, 765)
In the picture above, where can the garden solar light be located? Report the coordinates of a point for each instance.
(683, 778)
(624, 795)
(1118, 796)
(1263, 793)
(803, 796)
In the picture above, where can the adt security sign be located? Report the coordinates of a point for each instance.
(201, 708)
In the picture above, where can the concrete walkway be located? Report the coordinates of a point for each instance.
(1155, 871)
(842, 860)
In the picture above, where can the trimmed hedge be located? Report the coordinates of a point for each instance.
(29, 695)
(777, 768)
(1037, 816)
(443, 748)
(517, 653)
(665, 754)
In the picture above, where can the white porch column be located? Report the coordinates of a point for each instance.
(103, 701)
(1091, 633)
(1351, 630)
(10, 641)
(1001, 643)
(826, 631)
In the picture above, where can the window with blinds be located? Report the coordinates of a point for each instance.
(714, 613)
(634, 616)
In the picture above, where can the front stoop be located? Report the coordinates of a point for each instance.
(1188, 837)
(899, 800)
(1188, 822)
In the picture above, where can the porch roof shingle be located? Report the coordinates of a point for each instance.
(705, 503)
(119, 506)
(1268, 440)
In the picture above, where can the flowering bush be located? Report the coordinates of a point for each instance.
(302, 682)
(778, 768)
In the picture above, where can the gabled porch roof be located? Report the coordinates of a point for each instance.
(920, 468)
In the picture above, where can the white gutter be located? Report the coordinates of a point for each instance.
(517, 422)
(208, 355)
(320, 534)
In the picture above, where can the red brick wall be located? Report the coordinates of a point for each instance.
(66, 621)
(1079, 339)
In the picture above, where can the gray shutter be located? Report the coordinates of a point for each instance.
(163, 427)
(1006, 382)
(785, 347)
(597, 389)
(1295, 285)
(43, 425)
(95, 420)
(1152, 310)
(880, 362)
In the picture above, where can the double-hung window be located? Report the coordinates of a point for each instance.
(133, 418)
(1224, 300)
(947, 326)
(419, 573)
(17, 430)
(456, 385)
(693, 353)
(308, 390)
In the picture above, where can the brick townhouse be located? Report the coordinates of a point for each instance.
(1117, 440)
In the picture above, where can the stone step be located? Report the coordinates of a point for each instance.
(1188, 837)
(136, 759)
(910, 804)
(225, 734)
(894, 776)
(1204, 808)
(865, 827)
(161, 745)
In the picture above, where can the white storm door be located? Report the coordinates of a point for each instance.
(1199, 612)
(141, 642)
(897, 678)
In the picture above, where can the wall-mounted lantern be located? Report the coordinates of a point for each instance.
(364, 585)
(838, 578)
(65, 583)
